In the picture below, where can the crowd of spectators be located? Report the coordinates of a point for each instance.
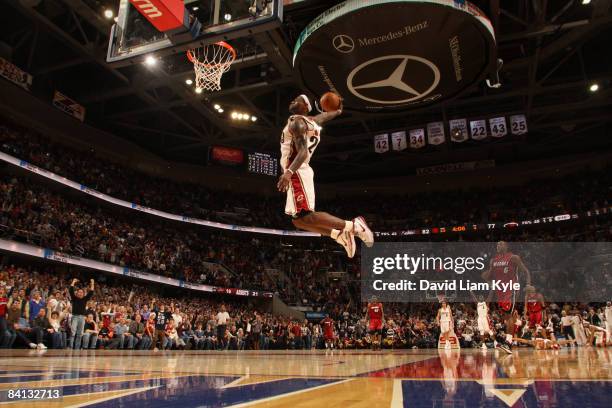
(51, 307)
(580, 192)
(298, 269)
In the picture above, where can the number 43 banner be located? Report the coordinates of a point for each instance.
(478, 129)
(518, 124)
(498, 127)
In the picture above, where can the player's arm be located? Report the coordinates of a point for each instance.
(298, 129)
(521, 267)
(438, 317)
(323, 117)
(382, 313)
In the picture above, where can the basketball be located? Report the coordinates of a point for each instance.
(330, 101)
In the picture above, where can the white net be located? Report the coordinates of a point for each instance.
(210, 62)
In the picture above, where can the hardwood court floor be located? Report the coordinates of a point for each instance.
(408, 378)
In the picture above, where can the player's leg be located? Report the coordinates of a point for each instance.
(301, 201)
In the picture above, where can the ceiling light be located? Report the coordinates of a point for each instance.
(188, 81)
(234, 115)
(108, 13)
(220, 110)
(254, 118)
(246, 117)
(217, 106)
(150, 61)
(115, 19)
(594, 87)
(198, 90)
(195, 8)
(227, 17)
(239, 116)
(585, 2)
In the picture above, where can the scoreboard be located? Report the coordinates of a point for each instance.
(262, 163)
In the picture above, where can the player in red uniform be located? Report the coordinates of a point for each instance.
(506, 267)
(534, 305)
(299, 140)
(328, 332)
(375, 317)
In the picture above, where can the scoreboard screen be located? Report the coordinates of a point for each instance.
(262, 163)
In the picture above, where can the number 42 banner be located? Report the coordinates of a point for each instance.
(381, 143)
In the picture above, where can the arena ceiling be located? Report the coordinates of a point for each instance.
(552, 51)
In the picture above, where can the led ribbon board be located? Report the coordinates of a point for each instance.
(385, 55)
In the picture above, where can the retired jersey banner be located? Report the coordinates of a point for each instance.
(478, 129)
(69, 106)
(417, 138)
(498, 127)
(381, 143)
(14, 74)
(398, 141)
(458, 130)
(435, 133)
(518, 124)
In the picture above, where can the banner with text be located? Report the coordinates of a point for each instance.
(14, 74)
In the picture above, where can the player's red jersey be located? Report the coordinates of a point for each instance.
(328, 328)
(534, 308)
(503, 269)
(375, 311)
(533, 303)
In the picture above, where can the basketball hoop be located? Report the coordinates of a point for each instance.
(210, 62)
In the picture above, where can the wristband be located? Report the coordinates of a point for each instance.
(290, 171)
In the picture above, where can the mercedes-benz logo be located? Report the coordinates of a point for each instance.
(343, 43)
(395, 80)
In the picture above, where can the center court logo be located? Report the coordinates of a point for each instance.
(343, 43)
(395, 80)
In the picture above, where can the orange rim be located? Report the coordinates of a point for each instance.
(191, 57)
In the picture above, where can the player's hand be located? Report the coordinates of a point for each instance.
(284, 181)
(341, 107)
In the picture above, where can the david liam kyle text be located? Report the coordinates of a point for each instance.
(452, 285)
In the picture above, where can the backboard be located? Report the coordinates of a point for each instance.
(134, 36)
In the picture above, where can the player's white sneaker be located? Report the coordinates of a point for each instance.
(363, 232)
(484, 346)
(347, 240)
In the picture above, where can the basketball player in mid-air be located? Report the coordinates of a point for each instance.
(299, 140)
(506, 267)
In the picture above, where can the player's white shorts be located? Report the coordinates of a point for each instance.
(483, 325)
(444, 326)
(301, 192)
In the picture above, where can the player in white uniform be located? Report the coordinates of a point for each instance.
(482, 312)
(445, 320)
(299, 139)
